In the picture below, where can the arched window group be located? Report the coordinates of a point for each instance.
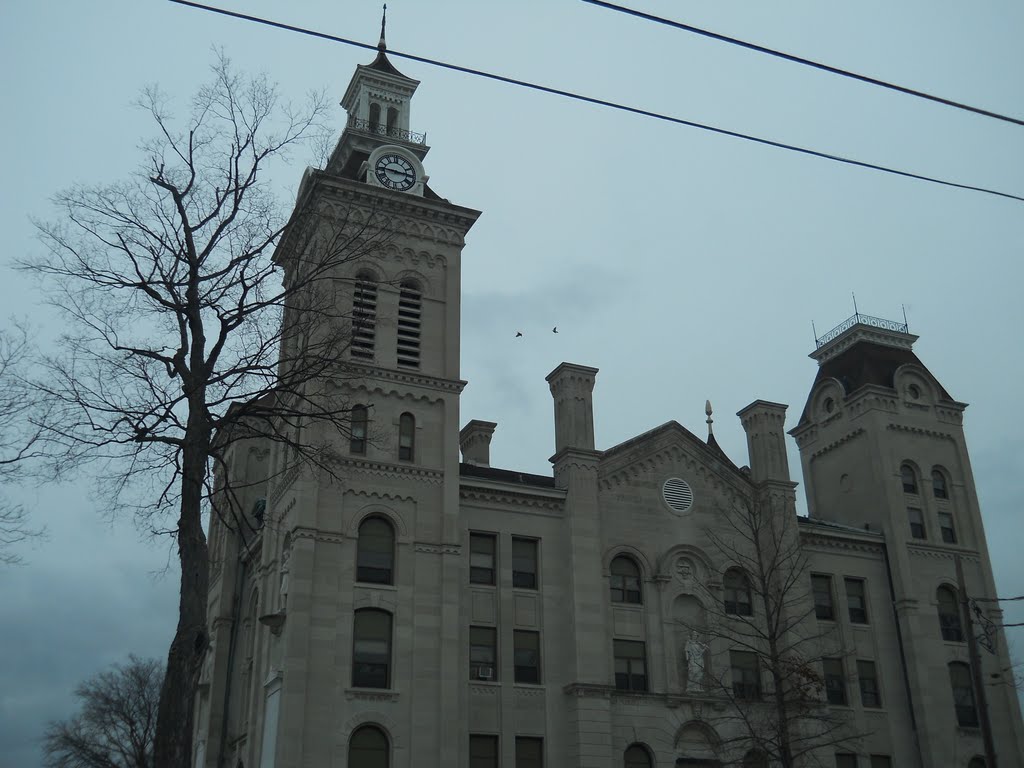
(738, 600)
(950, 623)
(375, 552)
(916, 510)
(625, 581)
(368, 748)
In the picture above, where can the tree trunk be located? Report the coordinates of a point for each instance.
(173, 741)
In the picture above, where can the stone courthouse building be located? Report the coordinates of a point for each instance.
(429, 609)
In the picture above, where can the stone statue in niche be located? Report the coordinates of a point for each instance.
(695, 651)
(286, 555)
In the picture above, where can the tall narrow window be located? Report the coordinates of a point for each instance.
(371, 649)
(529, 752)
(357, 440)
(916, 518)
(364, 317)
(368, 748)
(483, 751)
(909, 478)
(410, 308)
(375, 552)
(524, 563)
(737, 593)
(630, 665)
(746, 675)
(939, 488)
(949, 615)
(374, 118)
(946, 527)
(392, 121)
(527, 656)
(856, 602)
(483, 653)
(821, 586)
(835, 682)
(868, 676)
(963, 694)
(636, 757)
(481, 558)
(625, 581)
(406, 437)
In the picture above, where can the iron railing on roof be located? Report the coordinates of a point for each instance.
(382, 130)
(857, 318)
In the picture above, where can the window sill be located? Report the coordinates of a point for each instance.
(371, 694)
(371, 585)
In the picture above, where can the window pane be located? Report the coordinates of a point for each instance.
(869, 694)
(822, 588)
(963, 694)
(630, 665)
(481, 558)
(939, 485)
(946, 527)
(483, 653)
(524, 563)
(909, 479)
(916, 519)
(375, 551)
(357, 443)
(746, 675)
(737, 593)
(483, 752)
(368, 748)
(406, 436)
(625, 581)
(371, 649)
(855, 601)
(529, 752)
(949, 615)
(835, 681)
(527, 656)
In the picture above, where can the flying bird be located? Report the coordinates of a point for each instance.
(518, 334)
(555, 329)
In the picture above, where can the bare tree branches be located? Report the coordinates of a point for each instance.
(117, 721)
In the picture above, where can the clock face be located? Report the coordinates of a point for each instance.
(395, 172)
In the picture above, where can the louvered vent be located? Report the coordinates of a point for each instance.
(364, 320)
(410, 302)
(677, 494)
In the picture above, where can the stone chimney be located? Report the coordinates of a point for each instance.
(764, 424)
(572, 388)
(475, 442)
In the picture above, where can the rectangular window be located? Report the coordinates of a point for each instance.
(822, 588)
(946, 527)
(524, 563)
(481, 558)
(846, 760)
(835, 682)
(527, 656)
(483, 653)
(483, 751)
(869, 695)
(529, 752)
(881, 761)
(630, 665)
(746, 675)
(856, 602)
(916, 522)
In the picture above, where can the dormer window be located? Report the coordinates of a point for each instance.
(410, 306)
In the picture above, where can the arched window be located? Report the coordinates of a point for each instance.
(909, 478)
(949, 614)
(371, 649)
(410, 307)
(737, 593)
(375, 555)
(364, 317)
(375, 118)
(357, 440)
(637, 757)
(368, 748)
(963, 694)
(406, 437)
(939, 487)
(392, 121)
(625, 581)
(755, 758)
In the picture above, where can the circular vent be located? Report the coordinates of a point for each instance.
(677, 494)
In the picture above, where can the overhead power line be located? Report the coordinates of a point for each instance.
(805, 62)
(601, 102)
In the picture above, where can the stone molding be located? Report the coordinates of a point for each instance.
(333, 537)
(920, 431)
(530, 692)
(437, 549)
(851, 435)
(512, 498)
(366, 694)
(286, 482)
(391, 471)
(817, 539)
(942, 553)
(369, 373)
(485, 690)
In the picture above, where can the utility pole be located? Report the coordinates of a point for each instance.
(972, 650)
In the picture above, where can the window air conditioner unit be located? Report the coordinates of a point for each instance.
(485, 673)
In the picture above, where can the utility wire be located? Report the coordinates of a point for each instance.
(600, 102)
(805, 62)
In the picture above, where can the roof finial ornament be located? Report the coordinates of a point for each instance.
(381, 45)
(710, 421)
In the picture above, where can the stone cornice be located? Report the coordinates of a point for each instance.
(839, 541)
(830, 446)
(942, 553)
(365, 694)
(437, 549)
(301, 532)
(511, 498)
(920, 431)
(389, 470)
(369, 373)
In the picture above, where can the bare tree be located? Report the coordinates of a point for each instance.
(764, 644)
(185, 289)
(18, 440)
(115, 726)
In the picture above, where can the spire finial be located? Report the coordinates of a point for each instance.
(381, 45)
(710, 421)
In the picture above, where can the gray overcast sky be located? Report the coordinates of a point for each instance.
(684, 265)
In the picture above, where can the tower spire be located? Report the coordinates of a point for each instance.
(381, 44)
(710, 421)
